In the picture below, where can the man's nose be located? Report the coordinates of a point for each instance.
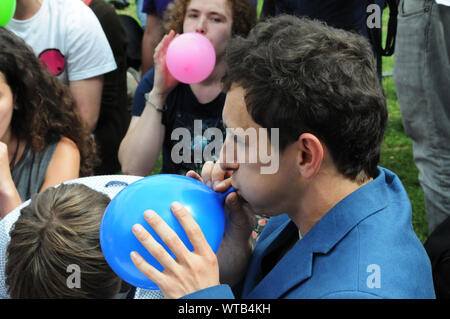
(201, 25)
(228, 158)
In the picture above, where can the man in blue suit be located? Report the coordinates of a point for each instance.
(340, 226)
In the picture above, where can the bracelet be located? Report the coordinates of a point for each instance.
(163, 109)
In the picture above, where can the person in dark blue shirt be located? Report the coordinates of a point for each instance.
(350, 15)
(172, 105)
(153, 31)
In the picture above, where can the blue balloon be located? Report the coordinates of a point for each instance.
(157, 193)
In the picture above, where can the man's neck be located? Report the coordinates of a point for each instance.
(26, 9)
(320, 196)
(207, 90)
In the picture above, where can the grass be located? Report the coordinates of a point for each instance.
(396, 152)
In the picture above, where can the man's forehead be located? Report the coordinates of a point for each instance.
(211, 6)
(235, 114)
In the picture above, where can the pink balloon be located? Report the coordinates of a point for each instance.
(190, 58)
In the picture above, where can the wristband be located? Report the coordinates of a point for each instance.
(161, 110)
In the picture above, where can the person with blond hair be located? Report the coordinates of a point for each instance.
(50, 245)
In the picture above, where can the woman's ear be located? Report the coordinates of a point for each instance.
(15, 104)
(310, 155)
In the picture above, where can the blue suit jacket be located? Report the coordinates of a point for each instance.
(364, 247)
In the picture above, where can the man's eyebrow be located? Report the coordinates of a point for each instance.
(217, 13)
(193, 10)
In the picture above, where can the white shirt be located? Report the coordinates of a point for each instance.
(67, 36)
(443, 2)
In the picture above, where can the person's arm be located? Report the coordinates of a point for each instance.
(9, 196)
(236, 249)
(140, 148)
(88, 57)
(64, 165)
(153, 33)
(87, 95)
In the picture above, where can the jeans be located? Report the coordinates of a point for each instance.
(422, 81)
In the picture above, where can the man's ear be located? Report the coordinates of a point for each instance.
(310, 155)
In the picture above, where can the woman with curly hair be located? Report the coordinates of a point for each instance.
(170, 105)
(42, 139)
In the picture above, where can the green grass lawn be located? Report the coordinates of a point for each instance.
(396, 152)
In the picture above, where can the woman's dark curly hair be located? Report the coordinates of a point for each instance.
(45, 110)
(244, 16)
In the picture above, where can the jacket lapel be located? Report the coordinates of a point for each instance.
(264, 247)
(288, 272)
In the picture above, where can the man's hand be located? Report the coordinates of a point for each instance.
(235, 249)
(190, 271)
(239, 215)
(164, 82)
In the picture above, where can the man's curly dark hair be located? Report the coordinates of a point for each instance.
(303, 76)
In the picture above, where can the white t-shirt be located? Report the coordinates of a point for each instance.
(443, 2)
(67, 36)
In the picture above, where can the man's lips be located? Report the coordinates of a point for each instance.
(238, 192)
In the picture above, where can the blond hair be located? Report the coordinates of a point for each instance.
(59, 228)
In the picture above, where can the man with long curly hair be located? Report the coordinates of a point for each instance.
(172, 105)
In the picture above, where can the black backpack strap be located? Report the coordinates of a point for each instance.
(374, 36)
(392, 28)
